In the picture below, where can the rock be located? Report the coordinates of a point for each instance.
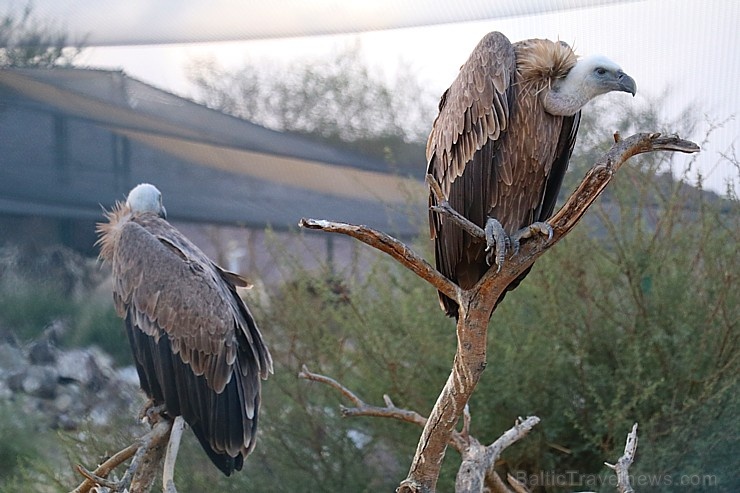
(66, 423)
(11, 358)
(40, 381)
(76, 365)
(42, 352)
(66, 388)
(15, 381)
(64, 402)
(88, 367)
(128, 375)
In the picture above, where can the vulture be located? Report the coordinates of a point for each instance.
(197, 349)
(500, 146)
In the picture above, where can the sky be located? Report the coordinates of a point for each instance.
(677, 46)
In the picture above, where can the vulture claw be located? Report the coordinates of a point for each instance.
(529, 231)
(497, 243)
(151, 412)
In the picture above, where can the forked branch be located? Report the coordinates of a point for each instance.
(622, 467)
(476, 305)
(147, 453)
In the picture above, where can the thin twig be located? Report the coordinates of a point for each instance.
(457, 440)
(137, 450)
(496, 484)
(466, 421)
(105, 468)
(517, 485)
(97, 480)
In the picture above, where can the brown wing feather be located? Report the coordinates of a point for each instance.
(195, 343)
(501, 165)
(164, 276)
(473, 110)
(479, 95)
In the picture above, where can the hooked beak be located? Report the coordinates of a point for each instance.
(163, 213)
(626, 83)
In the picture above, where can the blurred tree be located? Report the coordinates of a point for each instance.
(26, 41)
(340, 101)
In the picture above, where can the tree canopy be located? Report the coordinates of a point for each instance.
(27, 41)
(341, 101)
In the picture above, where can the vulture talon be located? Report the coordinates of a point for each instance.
(498, 243)
(149, 409)
(529, 231)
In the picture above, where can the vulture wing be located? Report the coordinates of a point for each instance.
(196, 345)
(494, 152)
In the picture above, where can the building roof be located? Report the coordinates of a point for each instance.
(75, 139)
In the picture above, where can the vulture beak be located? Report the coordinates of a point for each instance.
(626, 83)
(163, 213)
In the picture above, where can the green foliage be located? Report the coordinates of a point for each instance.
(29, 454)
(633, 319)
(96, 323)
(15, 447)
(27, 308)
(340, 328)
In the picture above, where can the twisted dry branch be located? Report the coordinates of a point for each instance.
(622, 467)
(139, 472)
(476, 305)
(457, 440)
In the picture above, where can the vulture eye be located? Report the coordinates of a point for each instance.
(601, 71)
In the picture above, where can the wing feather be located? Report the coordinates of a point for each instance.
(494, 152)
(196, 346)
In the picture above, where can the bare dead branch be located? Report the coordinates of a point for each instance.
(173, 446)
(97, 480)
(517, 485)
(476, 305)
(621, 468)
(391, 246)
(496, 484)
(105, 468)
(457, 441)
(479, 461)
(140, 467)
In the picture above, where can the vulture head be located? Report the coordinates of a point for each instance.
(146, 198)
(590, 77)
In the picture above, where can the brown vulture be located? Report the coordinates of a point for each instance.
(501, 144)
(197, 349)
